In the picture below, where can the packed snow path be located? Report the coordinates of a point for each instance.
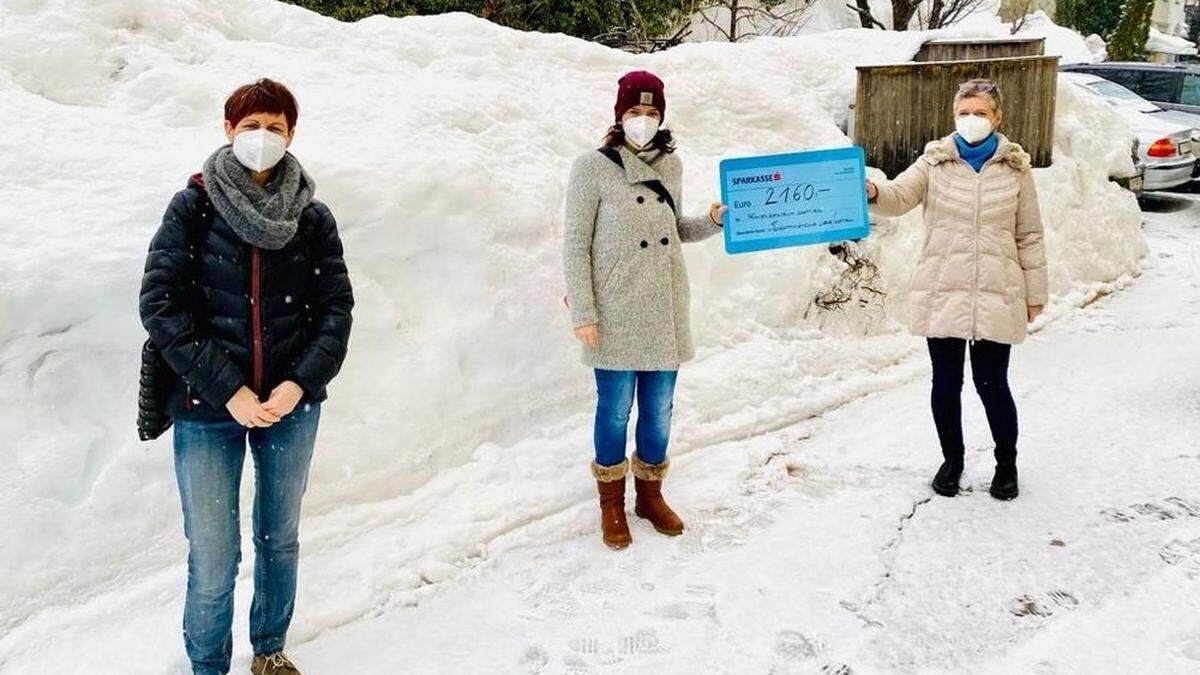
(818, 548)
(815, 547)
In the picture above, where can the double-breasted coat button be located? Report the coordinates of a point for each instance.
(664, 241)
(645, 243)
(661, 200)
(641, 199)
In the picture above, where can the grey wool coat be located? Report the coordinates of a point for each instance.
(623, 260)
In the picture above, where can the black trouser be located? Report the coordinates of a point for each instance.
(989, 369)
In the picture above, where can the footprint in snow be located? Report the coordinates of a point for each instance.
(602, 586)
(724, 527)
(686, 609)
(700, 603)
(576, 666)
(1189, 509)
(791, 645)
(1117, 516)
(1153, 511)
(1063, 599)
(1043, 605)
(1169, 508)
(645, 641)
(556, 599)
(585, 645)
(589, 651)
(592, 651)
(1185, 554)
(534, 660)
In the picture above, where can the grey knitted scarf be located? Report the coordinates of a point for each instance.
(266, 217)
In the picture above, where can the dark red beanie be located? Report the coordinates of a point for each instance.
(637, 88)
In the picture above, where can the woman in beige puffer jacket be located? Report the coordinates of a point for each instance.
(981, 277)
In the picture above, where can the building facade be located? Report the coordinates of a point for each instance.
(1170, 18)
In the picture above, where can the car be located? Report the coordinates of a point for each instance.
(1175, 86)
(1116, 93)
(1162, 143)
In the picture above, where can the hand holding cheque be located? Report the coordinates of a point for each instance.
(795, 199)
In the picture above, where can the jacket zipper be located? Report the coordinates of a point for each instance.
(256, 316)
(978, 217)
(975, 280)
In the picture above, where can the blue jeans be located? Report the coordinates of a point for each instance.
(655, 397)
(208, 466)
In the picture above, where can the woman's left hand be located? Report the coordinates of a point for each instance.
(1034, 311)
(717, 214)
(284, 398)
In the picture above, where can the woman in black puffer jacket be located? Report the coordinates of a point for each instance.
(247, 297)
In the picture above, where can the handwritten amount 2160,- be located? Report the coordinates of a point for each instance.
(802, 192)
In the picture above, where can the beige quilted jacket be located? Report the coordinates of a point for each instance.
(983, 261)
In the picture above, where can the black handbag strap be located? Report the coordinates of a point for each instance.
(205, 218)
(654, 184)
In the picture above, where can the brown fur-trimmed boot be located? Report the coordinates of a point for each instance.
(610, 483)
(647, 478)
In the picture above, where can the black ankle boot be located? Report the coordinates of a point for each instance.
(1004, 483)
(945, 483)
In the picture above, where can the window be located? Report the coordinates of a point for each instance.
(1122, 76)
(1160, 85)
(1191, 90)
(1113, 90)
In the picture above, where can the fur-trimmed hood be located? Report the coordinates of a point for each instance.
(945, 149)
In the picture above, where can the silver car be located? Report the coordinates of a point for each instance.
(1166, 144)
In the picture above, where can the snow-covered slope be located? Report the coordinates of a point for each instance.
(442, 145)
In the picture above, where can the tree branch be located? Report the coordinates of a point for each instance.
(865, 16)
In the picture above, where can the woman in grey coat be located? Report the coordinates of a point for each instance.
(628, 292)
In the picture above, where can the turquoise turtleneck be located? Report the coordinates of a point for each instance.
(977, 155)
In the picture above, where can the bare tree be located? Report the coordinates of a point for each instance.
(930, 14)
(748, 18)
(638, 35)
(648, 43)
(868, 20)
(1021, 11)
(944, 13)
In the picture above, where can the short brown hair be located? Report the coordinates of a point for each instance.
(263, 96)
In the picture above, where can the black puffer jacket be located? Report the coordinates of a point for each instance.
(226, 314)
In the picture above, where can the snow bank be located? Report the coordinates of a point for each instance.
(1060, 41)
(1162, 43)
(442, 145)
(1097, 47)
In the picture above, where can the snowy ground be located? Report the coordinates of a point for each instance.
(455, 444)
(448, 191)
(818, 548)
(813, 547)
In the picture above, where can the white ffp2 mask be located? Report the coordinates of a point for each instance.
(973, 128)
(260, 149)
(640, 130)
